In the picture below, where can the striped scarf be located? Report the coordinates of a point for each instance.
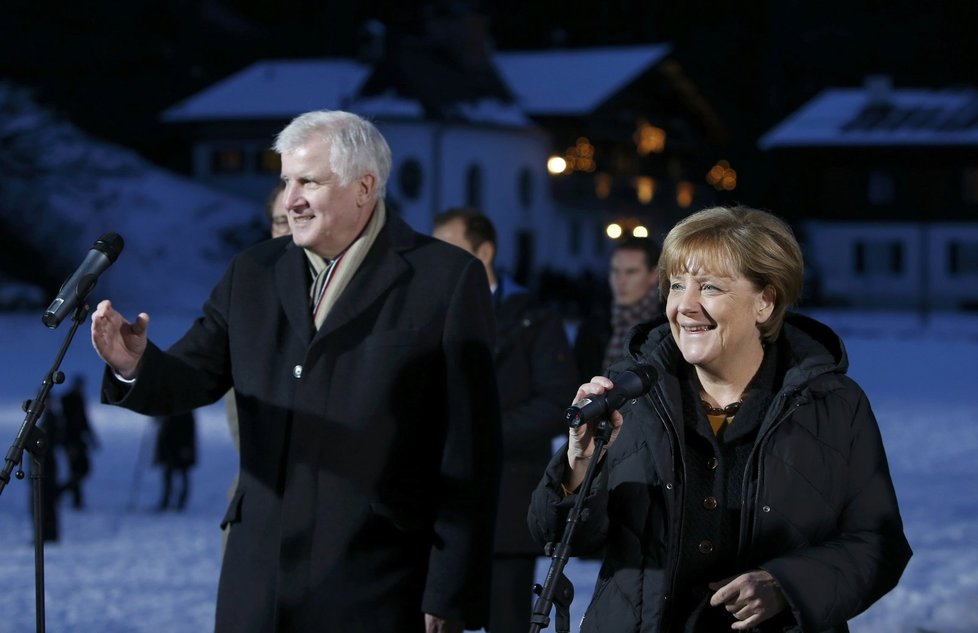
(331, 277)
(623, 319)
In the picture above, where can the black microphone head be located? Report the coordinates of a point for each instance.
(110, 244)
(637, 380)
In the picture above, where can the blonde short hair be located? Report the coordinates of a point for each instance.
(753, 243)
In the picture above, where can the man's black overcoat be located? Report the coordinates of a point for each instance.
(369, 449)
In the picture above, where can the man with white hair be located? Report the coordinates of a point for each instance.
(360, 356)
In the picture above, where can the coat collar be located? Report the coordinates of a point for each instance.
(382, 267)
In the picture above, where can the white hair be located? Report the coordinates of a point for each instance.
(356, 146)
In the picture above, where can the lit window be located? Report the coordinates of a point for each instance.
(269, 162)
(227, 160)
(644, 189)
(684, 194)
(602, 185)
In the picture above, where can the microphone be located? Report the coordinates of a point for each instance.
(629, 384)
(104, 252)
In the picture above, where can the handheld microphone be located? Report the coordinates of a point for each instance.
(102, 255)
(629, 384)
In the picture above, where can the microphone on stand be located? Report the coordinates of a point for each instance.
(628, 384)
(103, 254)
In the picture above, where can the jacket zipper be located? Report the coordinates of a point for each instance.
(755, 456)
(663, 412)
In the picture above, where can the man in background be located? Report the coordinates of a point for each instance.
(536, 377)
(633, 276)
(276, 212)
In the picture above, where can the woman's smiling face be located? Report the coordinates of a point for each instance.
(714, 317)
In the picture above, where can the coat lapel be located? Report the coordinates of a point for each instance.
(291, 276)
(379, 271)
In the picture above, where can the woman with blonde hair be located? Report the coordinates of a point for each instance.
(749, 488)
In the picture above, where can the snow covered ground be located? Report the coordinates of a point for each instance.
(121, 568)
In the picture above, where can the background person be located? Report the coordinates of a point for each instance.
(277, 213)
(535, 372)
(77, 438)
(749, 490)
(176, 454)
(633, 277)
(360, 357)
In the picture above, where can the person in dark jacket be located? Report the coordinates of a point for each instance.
(77, 439)
(749, 488)
(535, 372)
(633, 278)
(360, 353)
(176, 454)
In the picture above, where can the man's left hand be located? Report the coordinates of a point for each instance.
(752, 598)
(434, 624)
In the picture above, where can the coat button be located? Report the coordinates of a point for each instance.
(710, 503)
(706, 546)
(668, 486)
(297, 371)
(713, 463)
(766, 509)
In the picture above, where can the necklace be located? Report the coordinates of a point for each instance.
(729, 411)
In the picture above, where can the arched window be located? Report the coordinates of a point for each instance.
(473, 186)
(410, 177)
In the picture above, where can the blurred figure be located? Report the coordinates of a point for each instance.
(77, 438)
(748, 490)
(277, 213)
(633, 277)
(176, 454)
(535, 372)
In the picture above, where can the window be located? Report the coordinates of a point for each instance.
(969, 185)
(880, 189)
(227, 160)
(878, 258)
(269, 162)
(525, 187)
(962, 258)
(410, 178)
(473, 186)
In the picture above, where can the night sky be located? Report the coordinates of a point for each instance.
(112, 66)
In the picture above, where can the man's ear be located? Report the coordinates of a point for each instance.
(486, 253)
(366, 185)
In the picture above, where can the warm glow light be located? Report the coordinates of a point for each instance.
(556, 165)
(614, 231)
(721, 176)
(644, 189)
(648, 138)
(640, 231)
(602, 185)
(684, 194)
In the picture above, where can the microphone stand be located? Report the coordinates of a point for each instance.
(34, 440)
(557, 588)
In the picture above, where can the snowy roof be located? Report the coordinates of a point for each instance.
(568, 82)
(574, 81)
(868, 117)
(275, 89)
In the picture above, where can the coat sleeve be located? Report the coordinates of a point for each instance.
(194, 372)
(549, 508)
(553, 381)
(457, 585)
(832, 581)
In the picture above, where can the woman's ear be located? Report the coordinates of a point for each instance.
(765, 303)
